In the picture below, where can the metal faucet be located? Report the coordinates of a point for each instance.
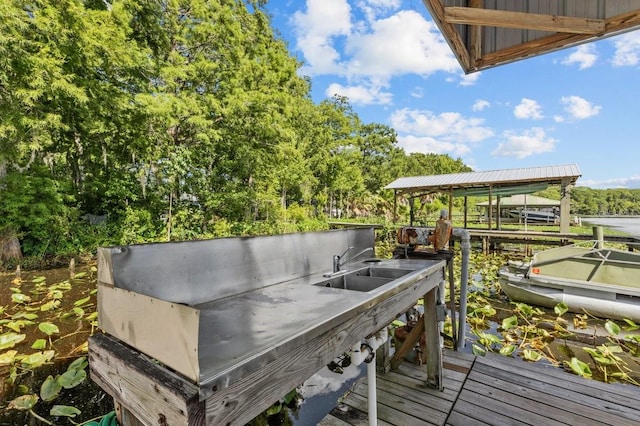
(338, 262)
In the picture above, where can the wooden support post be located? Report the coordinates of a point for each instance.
(433, 353)
(432, 356)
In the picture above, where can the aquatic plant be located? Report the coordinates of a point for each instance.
(45, 326)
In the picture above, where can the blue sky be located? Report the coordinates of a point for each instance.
(578, 105)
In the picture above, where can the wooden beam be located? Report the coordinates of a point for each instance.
(436, 8)
(475, 36)
(624, 22)
(522, 20)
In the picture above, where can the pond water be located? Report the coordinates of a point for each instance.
(627, 224)
(47, 318)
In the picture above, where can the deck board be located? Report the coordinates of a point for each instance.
(491, 390)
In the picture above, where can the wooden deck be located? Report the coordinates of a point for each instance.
(491, 390)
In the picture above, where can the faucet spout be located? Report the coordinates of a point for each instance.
(338, 261)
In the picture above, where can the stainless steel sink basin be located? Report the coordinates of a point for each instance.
(364, 279)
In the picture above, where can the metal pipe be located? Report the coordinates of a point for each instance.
(366, 352)
(465, 246)
(372, 397)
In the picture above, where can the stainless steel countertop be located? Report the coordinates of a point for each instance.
(242, 333)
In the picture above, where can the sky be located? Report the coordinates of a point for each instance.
(579, 105)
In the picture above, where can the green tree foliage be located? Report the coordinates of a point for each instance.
(594, 202)
(177, 119)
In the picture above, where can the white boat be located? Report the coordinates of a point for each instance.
(534, 216)
(605, 282)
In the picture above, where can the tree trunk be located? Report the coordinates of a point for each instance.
(9, 246)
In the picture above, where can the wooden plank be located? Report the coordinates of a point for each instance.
(407, 393)
(554, 395)
(522, 20)
(145, 388)
(392, 380)
(507, 401)
(458, 419)
(626, 395)
(331, 420)
(436, 8)
(386, 414)
(415, 371)
(244, 399)
(403, 405)
(475, 413)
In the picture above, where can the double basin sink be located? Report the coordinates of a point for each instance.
(364, 279)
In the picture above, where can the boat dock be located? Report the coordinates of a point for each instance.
(491, 390)
(492, 240)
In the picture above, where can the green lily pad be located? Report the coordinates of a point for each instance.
(72, 378)
(510, 322)
(82, 301)
(50, 389)
(50, 306)
(48, 328)
(580, 368)
(24, 315)
(508, 350)
(531, 355)
(560, 309)
(37, 359)
(20, 298)
(9, 340)
(7, 357)
(64, 410)
(478, 350)
(23, 403)
(612, 328)
(78, 364)
(39, 344)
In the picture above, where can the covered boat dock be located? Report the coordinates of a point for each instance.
(493, 183)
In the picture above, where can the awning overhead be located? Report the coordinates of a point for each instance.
(486, 33)
(498, 182)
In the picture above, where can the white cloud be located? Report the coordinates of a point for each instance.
(361, 95)
(584, 55)
(372, 8)
(528, 109)
(316, 29)
(469, 79)
(579, 108)
(530, 142)
(428, 145)
(449, 132)
(335, 42)
(417, 92)
(402, 43)
(630, 182)
(627, 49)
(480, 104)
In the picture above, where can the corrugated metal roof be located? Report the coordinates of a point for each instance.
(486, 33)
(507, 177)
